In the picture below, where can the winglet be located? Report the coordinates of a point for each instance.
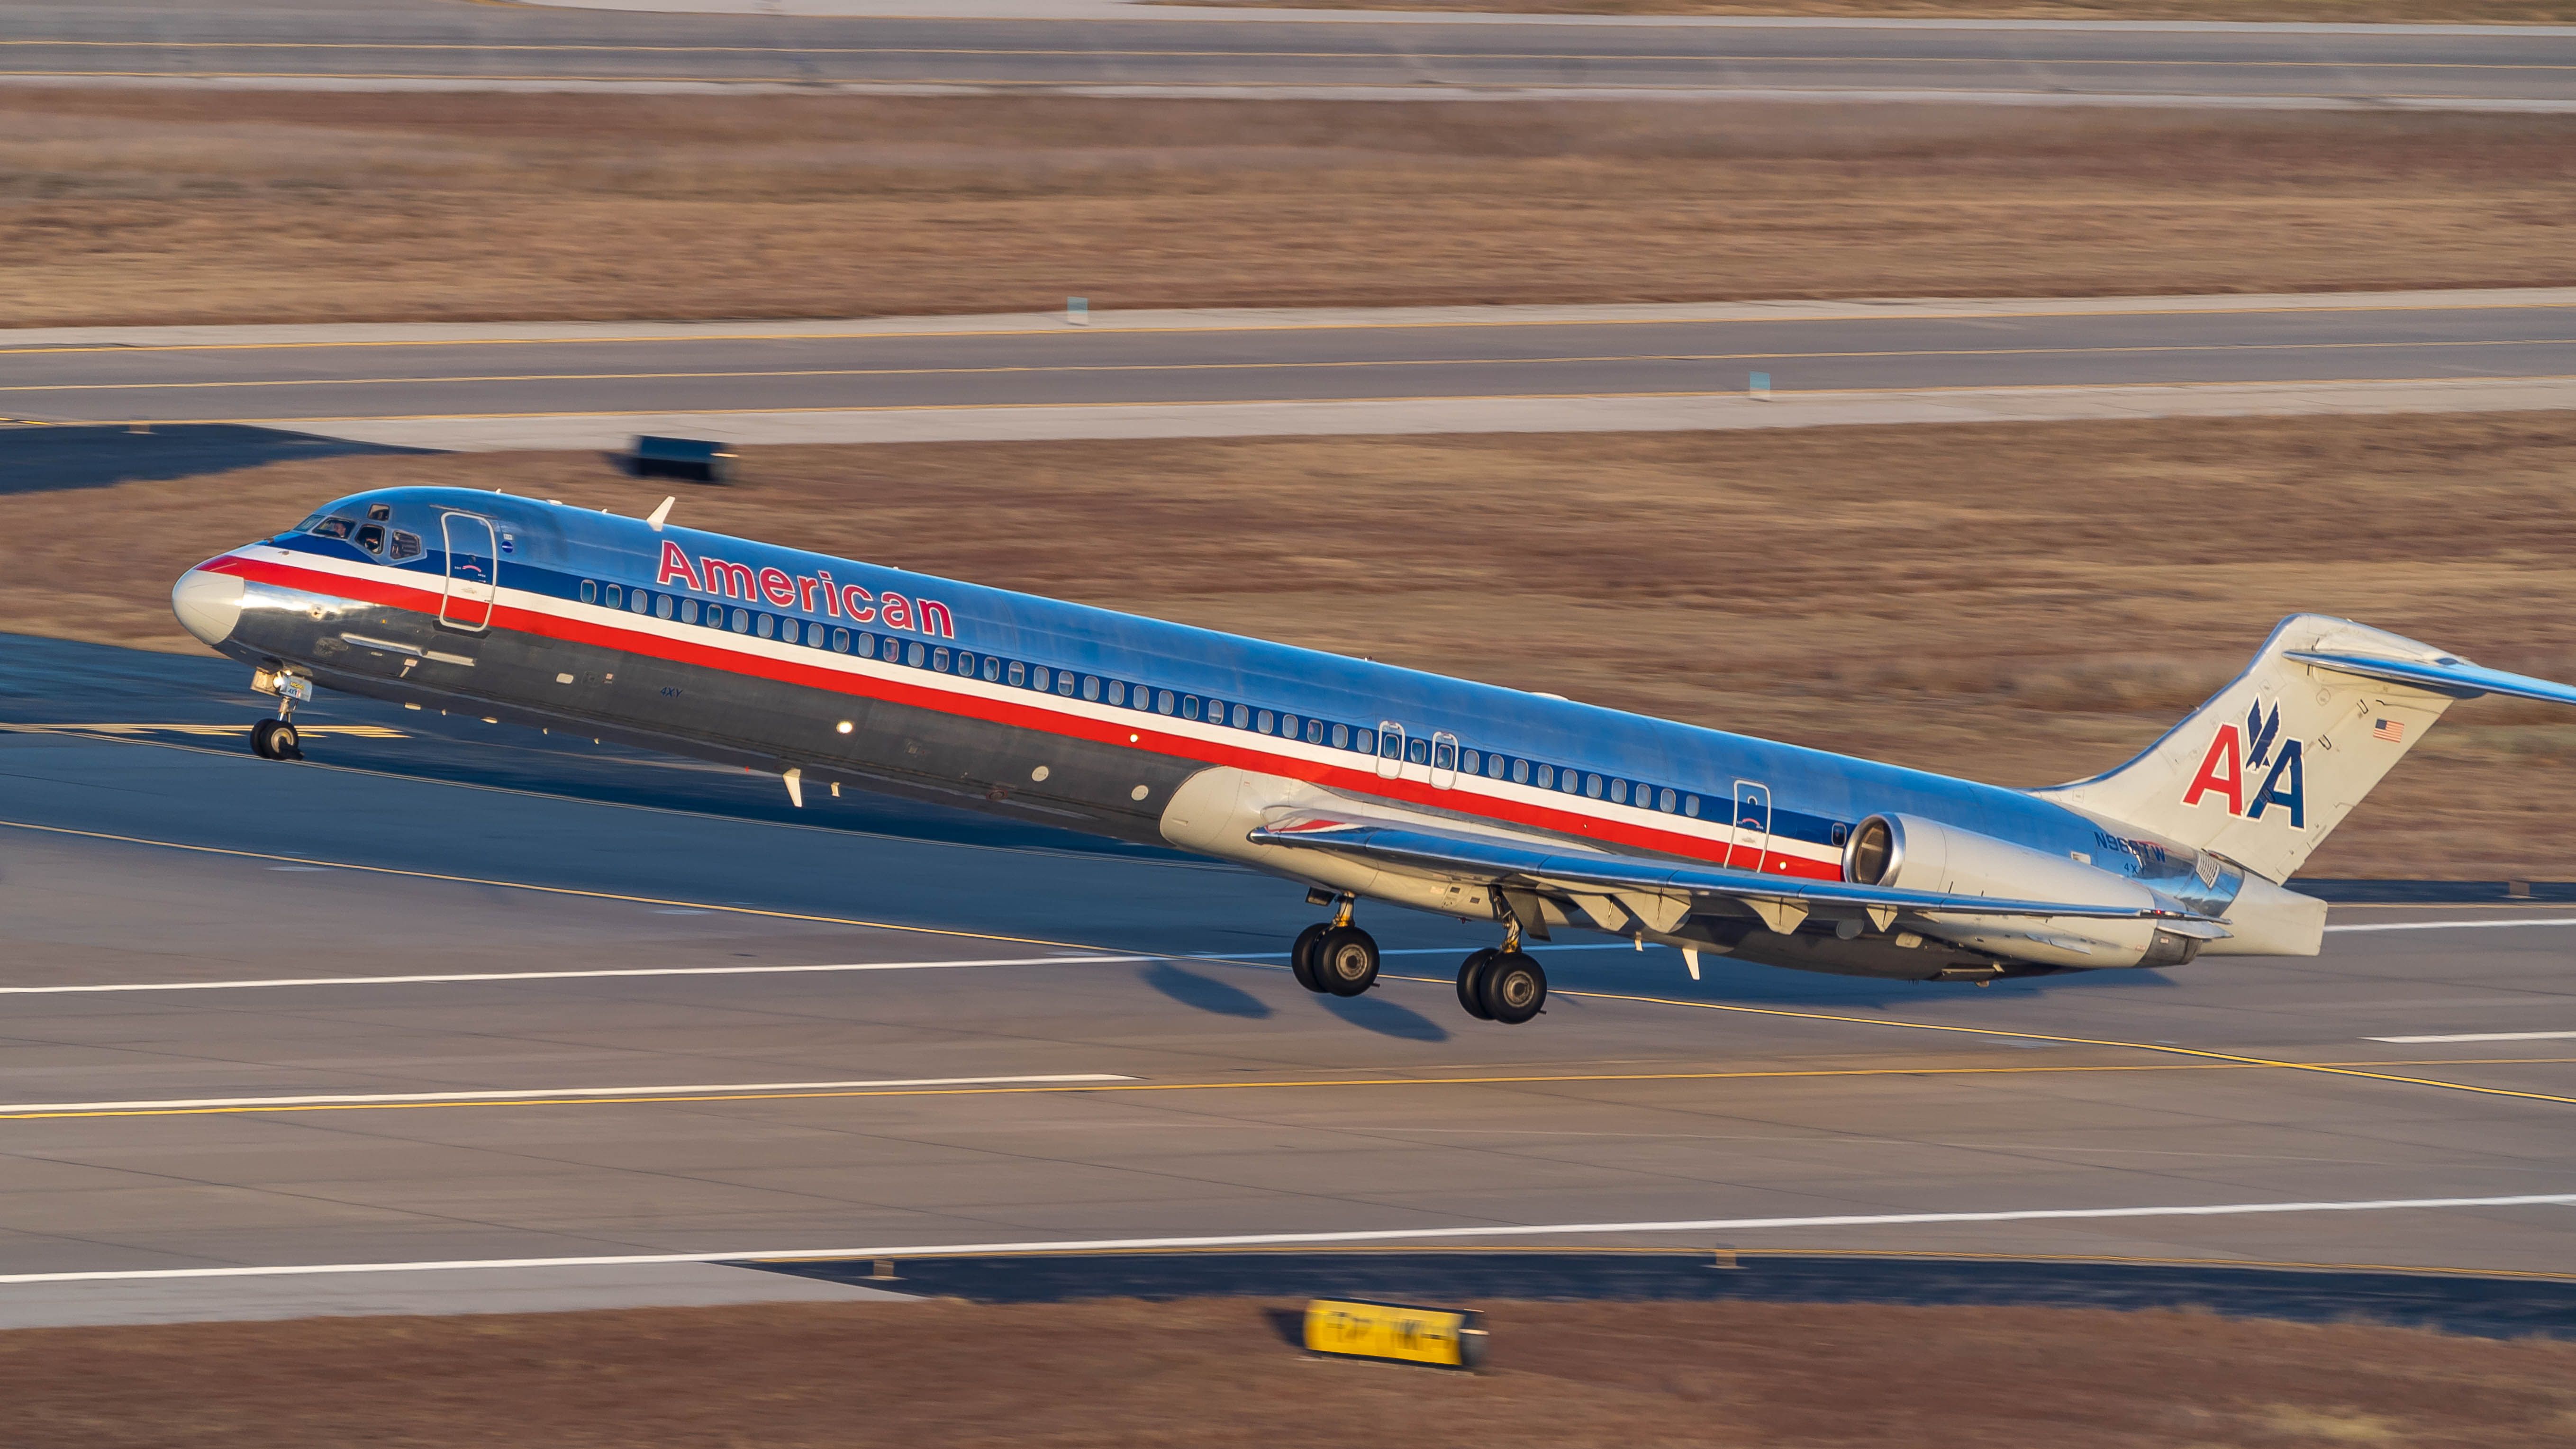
(661, 515)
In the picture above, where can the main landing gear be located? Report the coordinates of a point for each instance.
(1504, 985)
(1335, 957)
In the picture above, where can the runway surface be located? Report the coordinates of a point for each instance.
(386, 44)
(456, 993)
(501, 384)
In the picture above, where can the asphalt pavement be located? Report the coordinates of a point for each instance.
(503, 384)
(583, 1023)
(393, 44)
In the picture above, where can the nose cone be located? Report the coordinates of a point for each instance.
(209, 604)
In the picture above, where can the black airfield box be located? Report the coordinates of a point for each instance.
(694, 459)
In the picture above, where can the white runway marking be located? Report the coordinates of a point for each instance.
(2457, 925)
(1377, 1235)
(350, 1099)
(2482, 1036)
(560, 975)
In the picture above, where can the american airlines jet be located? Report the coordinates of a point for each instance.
(1359, 780)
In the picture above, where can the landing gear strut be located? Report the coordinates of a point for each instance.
(1504, 985)
(1335, 957)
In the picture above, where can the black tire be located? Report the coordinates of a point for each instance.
(1515, 988)
(261, 735)
(1301, 956)
(1346, 961)
(1471, 983)
(282, 742)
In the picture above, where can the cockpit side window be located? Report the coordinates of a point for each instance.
(406, 545)
(379, 512)
(330, 528)
(371, 537)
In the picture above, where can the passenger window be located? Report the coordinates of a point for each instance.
(661, 606)
(1019, 672)
(1471, 762)
(1547, 777)
(1117, 691)
(1493, 767)
(1163, 702)
(1040, 676)
(764, 626)
(1664, 802)
(742, 621)
(1091, 686)
(406, 545)
(863, 645)
(965, 664)
(1520, 772)
(1189, 706)
(840, 641)
(1261, 721)
(1445, 757)
(939, 660)
(639, 601)
(590, 591)
(1064, 683)
(688, 611)
(616, 597)
(1314, 732)
(1592, 786)
(1341, 737)
(1390, 744)
(992, 667)
(1690, 806)
(1618, 792)
(379, 512)
(372, 538)
(1418, 752)
(915, 654)
(332, 528)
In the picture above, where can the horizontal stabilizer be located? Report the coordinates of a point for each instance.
(2457, 678)
(1530, 864)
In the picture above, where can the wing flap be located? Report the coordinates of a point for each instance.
(1781, 903)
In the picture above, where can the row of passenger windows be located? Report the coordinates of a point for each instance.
(1386, 741)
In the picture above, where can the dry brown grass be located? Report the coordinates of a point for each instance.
(2317, 12)
(195, 206)
(1213, 1373)
(2015, 602)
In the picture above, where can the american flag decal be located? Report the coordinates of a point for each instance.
(2389, 729)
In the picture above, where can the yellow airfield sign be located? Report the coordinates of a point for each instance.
(1395, 1332)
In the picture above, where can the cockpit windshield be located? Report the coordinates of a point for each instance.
(330, 528)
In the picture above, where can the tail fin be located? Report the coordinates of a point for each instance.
(2274, 761)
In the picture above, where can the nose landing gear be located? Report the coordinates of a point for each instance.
(275, 739)
(1335, 958)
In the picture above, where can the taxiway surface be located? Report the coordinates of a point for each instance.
(389, 44)
(578, 384)
(457, 992)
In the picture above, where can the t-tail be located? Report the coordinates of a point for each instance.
(2265, 770)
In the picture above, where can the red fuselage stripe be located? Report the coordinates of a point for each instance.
(1128, 735)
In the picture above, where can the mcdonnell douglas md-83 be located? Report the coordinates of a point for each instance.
(1360, 780)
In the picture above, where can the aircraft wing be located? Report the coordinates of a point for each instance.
(1662, 892)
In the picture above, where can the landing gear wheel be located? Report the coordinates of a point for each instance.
(1301, 956)
(1346, 961)
(1515, 989)
(1471, 983)
(274, 739)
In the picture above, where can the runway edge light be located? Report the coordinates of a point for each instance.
(1395, 1333)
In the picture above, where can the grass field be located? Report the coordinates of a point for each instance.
(1214, 1372)
(148, 206)
(2021, 603)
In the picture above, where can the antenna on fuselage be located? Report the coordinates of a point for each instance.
(660, 515)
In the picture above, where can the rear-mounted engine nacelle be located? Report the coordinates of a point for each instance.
(1908, 852)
